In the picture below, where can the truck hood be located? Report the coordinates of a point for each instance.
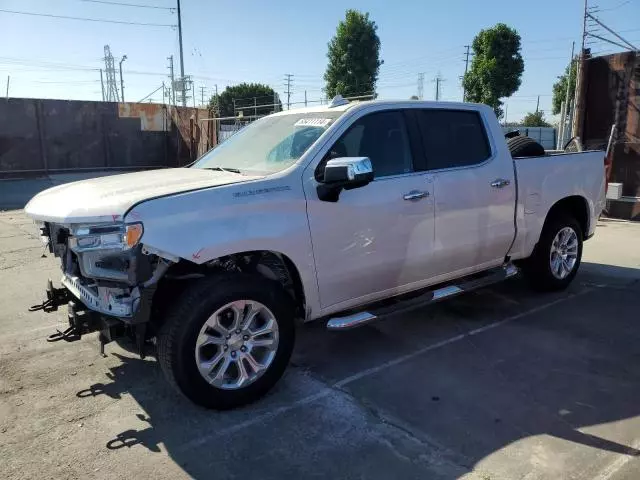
(107, 199)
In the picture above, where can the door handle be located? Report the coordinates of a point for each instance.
(500, 182)
(414, 195)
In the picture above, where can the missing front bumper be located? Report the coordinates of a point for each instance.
(112, 302)
(84, 320)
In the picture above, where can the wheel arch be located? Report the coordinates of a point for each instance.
(273, 265)
(575, 205)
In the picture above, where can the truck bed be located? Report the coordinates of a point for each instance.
(542, 181)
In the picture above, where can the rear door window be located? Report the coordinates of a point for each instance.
(453, 138)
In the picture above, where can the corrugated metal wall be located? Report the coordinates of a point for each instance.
(39, 136)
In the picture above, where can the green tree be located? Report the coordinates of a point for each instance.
(560, 87)
(535, 119)
(244, 95)
(496, 68)
(354, 56)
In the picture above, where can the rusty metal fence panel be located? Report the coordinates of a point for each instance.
(613, 97)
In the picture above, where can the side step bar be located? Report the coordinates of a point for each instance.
(429, 296)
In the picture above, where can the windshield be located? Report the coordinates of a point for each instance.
(268, 145)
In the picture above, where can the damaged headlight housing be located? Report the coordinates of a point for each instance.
(107, 251)
(105, 237)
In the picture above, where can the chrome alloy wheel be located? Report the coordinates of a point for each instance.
(564, 253)
(237, 344)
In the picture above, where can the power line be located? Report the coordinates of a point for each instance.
(86, 19)
(129, 4)
(629, 45)
(144, 98)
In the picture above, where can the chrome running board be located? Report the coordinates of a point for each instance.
(466, 284)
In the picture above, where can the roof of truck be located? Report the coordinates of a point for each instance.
(398, 103)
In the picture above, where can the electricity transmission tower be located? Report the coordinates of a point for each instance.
(420, 86)
(288, 78)
(111, 85)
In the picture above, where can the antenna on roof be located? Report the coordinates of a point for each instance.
(337, 101)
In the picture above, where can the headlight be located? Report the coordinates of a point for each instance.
(105, 237)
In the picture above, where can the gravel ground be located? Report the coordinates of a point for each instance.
(499, 384)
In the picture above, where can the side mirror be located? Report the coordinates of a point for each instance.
(344, 173)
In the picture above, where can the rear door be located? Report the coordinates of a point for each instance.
(474, 191)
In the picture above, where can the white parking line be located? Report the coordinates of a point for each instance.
(367, 372)
(457, 338)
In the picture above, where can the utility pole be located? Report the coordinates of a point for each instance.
(124, 57)
(305, 98)
(288, 78)
(506, 113)
(466, 68)
(8, 80)
(538, 105)
(102, 84)
(566, 97)
(577, 117)
(217, 101)
(438, 80)
(420, 86)
(182, 82)
(173, 80)
(202, 94)
(275, 102)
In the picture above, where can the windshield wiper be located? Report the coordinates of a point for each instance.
(224, 169)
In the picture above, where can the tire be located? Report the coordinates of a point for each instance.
(525, 147)
(184, 326)
(538, 269)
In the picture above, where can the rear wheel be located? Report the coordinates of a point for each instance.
(228, 340)
(556, 258)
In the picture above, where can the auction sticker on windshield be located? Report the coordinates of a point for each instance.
(313, 122)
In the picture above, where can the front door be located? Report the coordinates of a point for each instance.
(375, 240)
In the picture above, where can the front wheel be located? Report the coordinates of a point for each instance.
(228, 340)
(556, 258)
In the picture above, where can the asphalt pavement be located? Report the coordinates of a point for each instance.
(502, 383)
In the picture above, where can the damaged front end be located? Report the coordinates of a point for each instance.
(108, 280)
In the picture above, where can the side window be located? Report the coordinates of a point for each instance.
(382, 137)
(453, 138)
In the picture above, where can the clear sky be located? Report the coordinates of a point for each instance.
(228, 42)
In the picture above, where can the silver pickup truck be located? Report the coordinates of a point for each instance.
(343, 213)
